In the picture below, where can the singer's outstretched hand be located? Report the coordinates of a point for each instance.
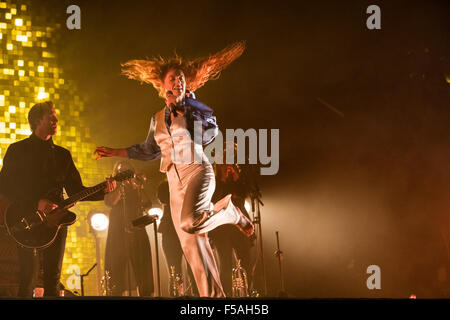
(104, 152)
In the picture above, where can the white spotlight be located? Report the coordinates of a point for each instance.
(99, 222)
(156, 212)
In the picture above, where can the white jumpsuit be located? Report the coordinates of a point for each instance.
(191, 189)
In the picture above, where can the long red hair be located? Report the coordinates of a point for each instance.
(197, 72)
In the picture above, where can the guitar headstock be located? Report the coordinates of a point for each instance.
(124, 175)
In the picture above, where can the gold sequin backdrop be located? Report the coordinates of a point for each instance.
(30, 73)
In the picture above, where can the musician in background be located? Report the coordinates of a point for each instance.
(128, 252)
(33, 176)
(232, 179)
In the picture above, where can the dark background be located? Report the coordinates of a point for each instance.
(368, 186)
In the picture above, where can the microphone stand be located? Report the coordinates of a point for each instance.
(142, 222)
(255, 195)
(279, 255)
(153, 219)
(158, 277)
(127, 240)
(82, 278)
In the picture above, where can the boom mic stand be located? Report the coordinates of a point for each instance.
(82, 278)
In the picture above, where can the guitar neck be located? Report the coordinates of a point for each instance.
(82, 195)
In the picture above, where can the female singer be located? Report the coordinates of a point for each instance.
(171, 138)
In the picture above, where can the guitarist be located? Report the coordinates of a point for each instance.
(33, 176)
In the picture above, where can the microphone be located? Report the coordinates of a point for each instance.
(173, 107)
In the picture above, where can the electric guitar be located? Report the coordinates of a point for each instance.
(37, 230)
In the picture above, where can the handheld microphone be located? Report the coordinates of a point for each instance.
(173, 107)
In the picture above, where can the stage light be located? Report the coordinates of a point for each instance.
(99, 222)
(21, 38)
(156, 212)
(247, 206)
(40, 68)
(18, 22)
(42, 94)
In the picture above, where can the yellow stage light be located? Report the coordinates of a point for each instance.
(21, 38)
(42, 95)
(35, 44)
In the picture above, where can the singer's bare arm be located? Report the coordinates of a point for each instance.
(103, 152)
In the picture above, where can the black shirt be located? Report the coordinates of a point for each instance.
(34, 169)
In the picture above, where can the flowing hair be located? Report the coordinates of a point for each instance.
(197, 72)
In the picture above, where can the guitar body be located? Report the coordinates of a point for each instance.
(36, 230)
(41, 235)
